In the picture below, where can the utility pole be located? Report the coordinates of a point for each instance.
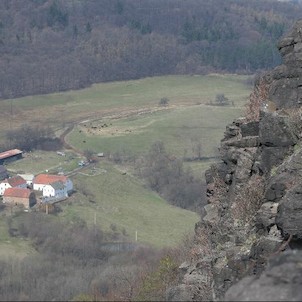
(10, 123)
(94, 224)
(136, 236)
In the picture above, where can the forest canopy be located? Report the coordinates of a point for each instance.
(57, 45)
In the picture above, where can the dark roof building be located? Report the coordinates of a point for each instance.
(10, 155)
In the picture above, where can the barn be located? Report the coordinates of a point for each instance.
(10, 155)
(19, 196)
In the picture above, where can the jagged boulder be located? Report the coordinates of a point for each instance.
(290, 169)
(281, 281)
(216, 170)
(238, 160)
(182, 292)
(244, 142)
(290, 46)
(285, 80)
(264, 248)
(271, 157)
(289, 216)
(232, 130)
(265, 217)
(276, 131)
(212, 214)
(245, 162)
(276, 189)
(285, 176)
(231, 265)
(250, 128)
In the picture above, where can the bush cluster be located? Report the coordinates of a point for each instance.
(166, 175)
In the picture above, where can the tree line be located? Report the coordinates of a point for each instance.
(57, 45)
(67, 263)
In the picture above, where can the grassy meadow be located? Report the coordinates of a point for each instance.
(109, 197)
(126, 117)
(105, 99)
(39, 161)
(180, 128)
(11, 247)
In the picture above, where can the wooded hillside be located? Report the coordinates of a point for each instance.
(55, 45)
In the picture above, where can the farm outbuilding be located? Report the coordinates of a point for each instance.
(19, 196)
(10, 155)
(28, 177)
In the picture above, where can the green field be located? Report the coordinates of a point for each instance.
(101, 100)
(39, 161)
(134, 120)
(135, 93)
(112, 198)
(179, 128)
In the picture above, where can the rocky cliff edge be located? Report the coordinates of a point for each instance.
(248, 241)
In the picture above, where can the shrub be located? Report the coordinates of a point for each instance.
(157, 282)
(166, 175)
(164, 101)
(221, 100)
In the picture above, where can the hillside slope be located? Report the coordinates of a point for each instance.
(247, 244)
(58, 45)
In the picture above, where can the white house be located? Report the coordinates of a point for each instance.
(12, 182)
(56, 189)
(41, 180)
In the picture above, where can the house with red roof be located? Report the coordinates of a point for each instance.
(12, 182)
(19, 196)
(49, 184)
(55, 189)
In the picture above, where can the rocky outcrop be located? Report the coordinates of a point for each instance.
(289, 216)
(285, 81)
(254, 196)
(281, 281)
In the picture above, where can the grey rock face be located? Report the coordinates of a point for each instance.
(289, 216)
(272, 156)
(285, 89)
(255, 154)
(266, 215)
(280, 216)
(181, 292)
(250, 129)
(276, 190)
(290, 46)
(276, 131)
(281, 281)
